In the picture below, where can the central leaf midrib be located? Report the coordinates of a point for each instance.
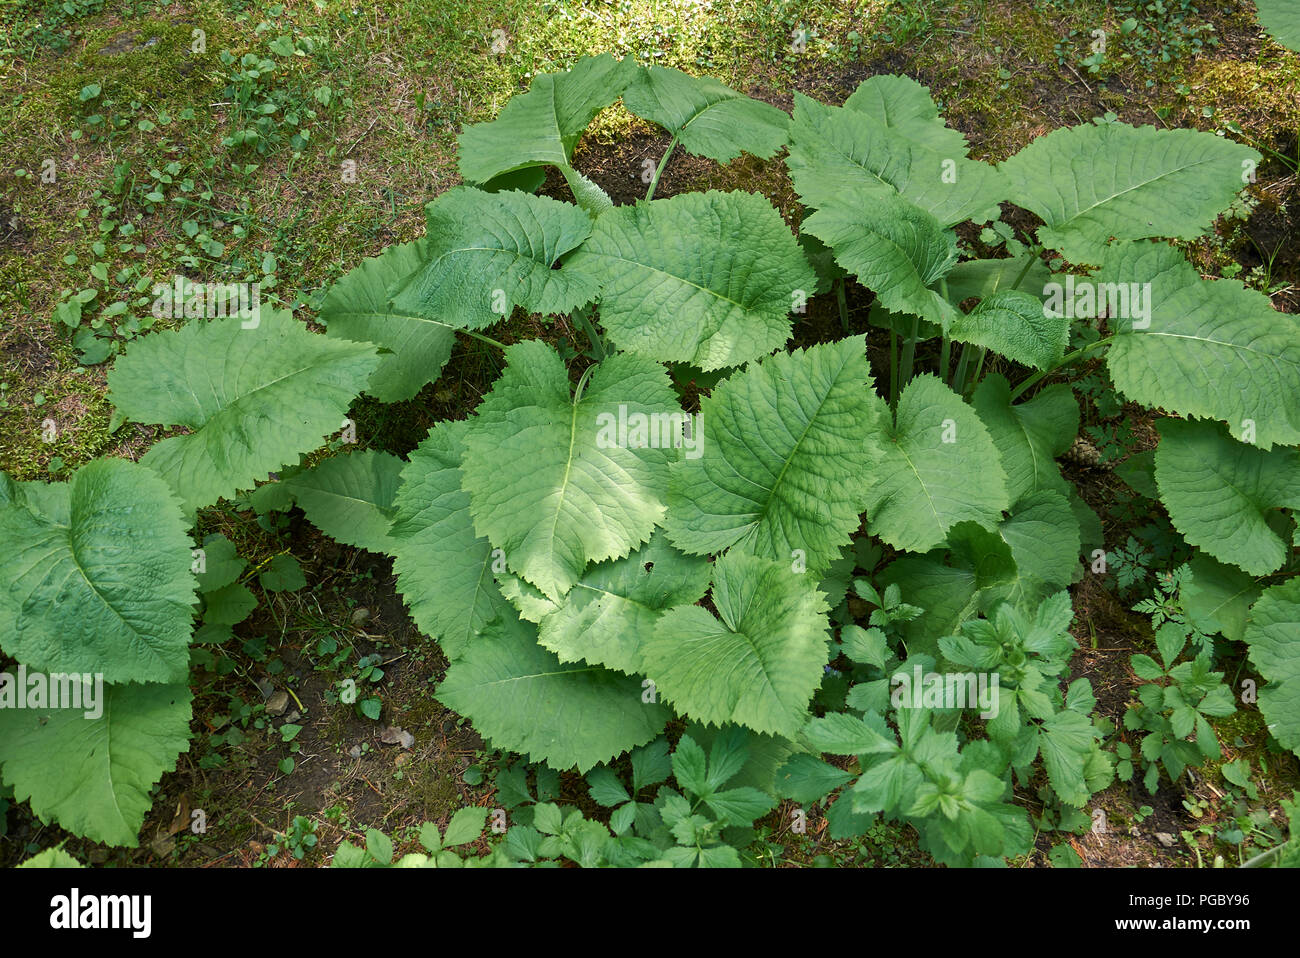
(799, 442)
(681, 279)
(564, 485)
(1136, 186)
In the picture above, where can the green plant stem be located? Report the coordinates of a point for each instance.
(582, 383)
(979, 367)
(583, 319)
(963, 362)
(945, 348)
(1262, 857)
(1029, 264)
(487, 339)
(843, 303)
(650, 193)
(893, 367)
(1069, 358)
(909, 351)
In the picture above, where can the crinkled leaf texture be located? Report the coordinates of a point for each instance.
(837, 153)
(1029, 435)
(703, 278)
(350, 497)
(785, 462)
(551, 481)
(254, 399)
(444, 568)
(489, 252)
(524, 699)
(708, 118)
(895, 249)
(907, 110)
(1219, 492)
(1273, 635)
(1214, 349)
(614, 607)
(1093, 182)
(758, 664)
(939, 467)
(52, 858)
(93, 776)
(357, 308)
(1015, 324)
(542, 126)
(95, 575)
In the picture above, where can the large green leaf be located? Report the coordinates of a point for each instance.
(896, 250)
(762, 755)
(1281, 18)
(350, 497)
(221, 565)
(1093, 182)
(982, 278)
(1219, 492)
(708, 118)
(1064, 741)
(253, 399)
(613, 608)
(526, 700)
(759, 663)
(1273, 635)
(702, 278)
(444, 569)
(357, 308)
(52, 858)
(1029, 435)
(1217, 597)
(1214, 349)
(785, 465)
(99, 579)
(489, 252)
(1015, 324)
(905, 108)
(94, 776)
(940, 467)
(550, 479)
(542, 126)
(949, 583)
(840, 154)
(1044, 538)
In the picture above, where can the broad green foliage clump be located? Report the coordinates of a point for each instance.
(687, 521)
